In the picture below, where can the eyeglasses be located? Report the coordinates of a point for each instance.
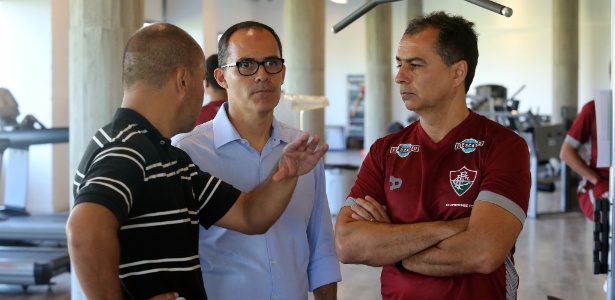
(248, 67)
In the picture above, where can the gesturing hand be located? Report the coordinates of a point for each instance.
(299, 157)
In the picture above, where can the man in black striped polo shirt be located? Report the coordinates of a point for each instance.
(133, 232)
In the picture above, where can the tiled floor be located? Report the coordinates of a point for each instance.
(554, 257)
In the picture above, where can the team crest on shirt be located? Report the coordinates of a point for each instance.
(404, 149)
(462, 180)
(469, 145)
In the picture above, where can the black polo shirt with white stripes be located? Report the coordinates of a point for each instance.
(159, 198)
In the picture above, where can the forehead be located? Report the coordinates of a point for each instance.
(252, 43)
(421, 44)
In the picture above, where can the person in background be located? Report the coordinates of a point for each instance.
(297, 253)
(133, 230)
(440, 203)
(216, 93)
(579, 152)
(357, 101)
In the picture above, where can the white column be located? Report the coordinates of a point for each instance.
(378, 79)
(61, 181)
(210, 27)
(99, 30)
(565, 56)
(304, 52)
(414, 8)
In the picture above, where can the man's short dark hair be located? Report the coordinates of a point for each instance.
(226, 36)
(212, 64)
(457, 39)
(155, 51)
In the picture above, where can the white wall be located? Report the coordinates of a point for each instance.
(26, 70)
(513, 51)
(153, 11)
(594, 48)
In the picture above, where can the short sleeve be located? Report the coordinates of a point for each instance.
(507, 178)
(370, 179)
(214, 197)
(112, 178)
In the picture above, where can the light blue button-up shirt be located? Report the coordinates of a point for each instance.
(296, 254)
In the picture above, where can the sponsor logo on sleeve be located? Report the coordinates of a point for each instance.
(404, 149)
(469, 145)
(395, 182)
(462, 180)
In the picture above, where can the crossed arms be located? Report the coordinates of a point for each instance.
(478, 244)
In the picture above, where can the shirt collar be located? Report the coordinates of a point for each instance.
(131, 116)
(224, 132)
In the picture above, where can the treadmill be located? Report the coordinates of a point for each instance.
(32, 247)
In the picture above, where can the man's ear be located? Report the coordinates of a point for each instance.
(219, 75)
(181, 79)
(460, 71)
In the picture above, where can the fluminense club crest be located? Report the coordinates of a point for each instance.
(462, 180)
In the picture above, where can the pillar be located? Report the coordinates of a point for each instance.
(99, 30)
(414, 9)
(379, 78)
(210, 27)
(565, 56)
(304, 54)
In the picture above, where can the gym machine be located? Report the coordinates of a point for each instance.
(32, 247)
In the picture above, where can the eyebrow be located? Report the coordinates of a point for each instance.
(411, 59)
(254, 59)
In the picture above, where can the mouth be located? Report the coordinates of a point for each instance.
(263, 91)
(405, 95)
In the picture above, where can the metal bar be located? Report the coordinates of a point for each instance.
(494, 7)
(358, 13)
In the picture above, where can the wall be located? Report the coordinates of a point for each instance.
(34, 68)
(594, 48)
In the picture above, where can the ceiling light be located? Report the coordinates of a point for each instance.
(340, 1)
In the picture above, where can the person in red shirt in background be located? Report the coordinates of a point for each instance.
(579, 152)
(214, 90)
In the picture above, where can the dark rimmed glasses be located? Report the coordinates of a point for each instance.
(248, 67)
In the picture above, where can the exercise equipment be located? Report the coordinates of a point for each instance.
(32, 247)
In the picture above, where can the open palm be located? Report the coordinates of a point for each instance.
(299, 157)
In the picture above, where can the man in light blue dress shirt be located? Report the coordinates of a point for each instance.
(240, 146)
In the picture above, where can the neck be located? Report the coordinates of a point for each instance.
(252, 127)
(438, 122)
(154, 107)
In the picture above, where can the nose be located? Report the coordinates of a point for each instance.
(401, 76)
(261, 74)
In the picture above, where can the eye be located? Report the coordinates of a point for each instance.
(245, 64)
(271, 62)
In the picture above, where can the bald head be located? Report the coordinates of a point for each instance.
(155, 51)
